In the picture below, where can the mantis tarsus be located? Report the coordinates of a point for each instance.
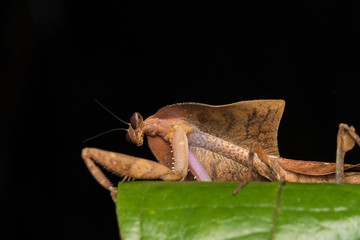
(213, 143)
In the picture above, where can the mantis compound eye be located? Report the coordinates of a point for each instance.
(136, 120)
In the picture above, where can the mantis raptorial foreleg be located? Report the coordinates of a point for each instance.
(139, 168)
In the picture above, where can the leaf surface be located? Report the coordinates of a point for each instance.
(207, 210)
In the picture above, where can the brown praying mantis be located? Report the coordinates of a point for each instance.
(193, 141)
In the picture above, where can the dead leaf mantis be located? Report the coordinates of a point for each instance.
(219, 143)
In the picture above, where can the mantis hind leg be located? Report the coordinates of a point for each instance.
(346, 139)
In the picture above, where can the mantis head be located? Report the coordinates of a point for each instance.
(135, 132)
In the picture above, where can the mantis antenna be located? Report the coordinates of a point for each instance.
(111, 112)
(100, 134)
(111, 130)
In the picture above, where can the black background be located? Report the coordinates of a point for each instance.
(60, 55)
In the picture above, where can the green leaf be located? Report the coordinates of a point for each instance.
(207, 210)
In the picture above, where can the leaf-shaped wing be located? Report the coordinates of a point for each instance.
(240, 123)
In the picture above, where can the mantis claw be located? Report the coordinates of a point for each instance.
(113, 193)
